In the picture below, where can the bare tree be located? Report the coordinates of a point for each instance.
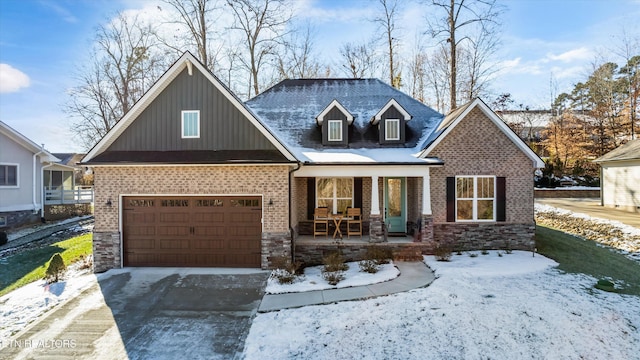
(477, 67)
(629, 50)
(359, 60)
(418, 73)
(199, 17)
(437, 76)
(460, 19)
(124, 65)
(262, 24)
(387, 23)
(298, 59)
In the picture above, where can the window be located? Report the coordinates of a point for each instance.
(392, 129)
(8, 175)
(190, 124)
(336, 194)
(475, 198)
(335, 130)
(3, 221)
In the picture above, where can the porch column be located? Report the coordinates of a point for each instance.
(376, 232)
(426, 230)
(375, 200)
(426, 193)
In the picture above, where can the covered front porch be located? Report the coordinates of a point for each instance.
(394, 200)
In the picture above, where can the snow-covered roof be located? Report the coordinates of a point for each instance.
(289, 110)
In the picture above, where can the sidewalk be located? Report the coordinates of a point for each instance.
(413, 275)
(592, 207)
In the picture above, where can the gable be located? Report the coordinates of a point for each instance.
(154, 124)
(13, 143)
(334, 110)
(467, 117)
(222, 125)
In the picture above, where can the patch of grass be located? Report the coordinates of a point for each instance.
(575, 255)
(30, 265)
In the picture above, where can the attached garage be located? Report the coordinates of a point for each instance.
(192, 231)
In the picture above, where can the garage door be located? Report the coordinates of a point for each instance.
(192, 231)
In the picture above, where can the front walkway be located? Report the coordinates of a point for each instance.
(592, 207)
(413, 275)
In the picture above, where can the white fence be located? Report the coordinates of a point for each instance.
(79, 195)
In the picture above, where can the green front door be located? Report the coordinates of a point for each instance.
(394, 204)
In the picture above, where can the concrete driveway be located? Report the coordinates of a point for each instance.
(149, 313)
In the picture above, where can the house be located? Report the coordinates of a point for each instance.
(620, 176)
(192, 176)
(22, 163)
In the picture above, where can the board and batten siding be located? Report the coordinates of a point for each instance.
(222, 124)
(620, 184)
(335, 114)
(392, 113)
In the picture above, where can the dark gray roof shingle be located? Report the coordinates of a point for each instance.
(289, 109)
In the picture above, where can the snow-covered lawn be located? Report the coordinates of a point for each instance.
(312, 279)
(488, 307)
(22, 306)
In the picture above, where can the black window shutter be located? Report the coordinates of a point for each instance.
(501, 199)
(311, 197)
(357, 192)
(451, 199)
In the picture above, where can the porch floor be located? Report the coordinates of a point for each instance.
(353, 240)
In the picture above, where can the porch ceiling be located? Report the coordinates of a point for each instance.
(365, 170)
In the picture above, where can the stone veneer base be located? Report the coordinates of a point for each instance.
(477, 236)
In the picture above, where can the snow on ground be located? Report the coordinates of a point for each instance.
(18, 233)
(312, 279)
(22, 306)
(510, 307)
(630, 230)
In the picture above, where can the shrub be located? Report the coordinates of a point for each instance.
(507, 247)
(369, 266)
(285, 271)
(334, 277)
(86, 263)
(3, 238)
(334, 267)
(443, 251)
(334, 262)
(56, 268)
(378, 254)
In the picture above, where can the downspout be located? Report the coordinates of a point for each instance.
(43, 192)
(35, 184)
(293, 248)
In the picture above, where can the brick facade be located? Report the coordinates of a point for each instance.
(477, 147)
(271, 182)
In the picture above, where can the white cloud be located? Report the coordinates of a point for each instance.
(579, 54)
(12, 79)
(64, 13)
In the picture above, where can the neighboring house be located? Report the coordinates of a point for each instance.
(63, 197)
(21, 177)
(620, 177)
(192, 176)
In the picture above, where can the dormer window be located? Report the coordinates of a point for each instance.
(335, 130)
(391, 121)
(392, 129)
(334, 123)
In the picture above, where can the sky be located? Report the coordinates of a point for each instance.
(43, 43)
